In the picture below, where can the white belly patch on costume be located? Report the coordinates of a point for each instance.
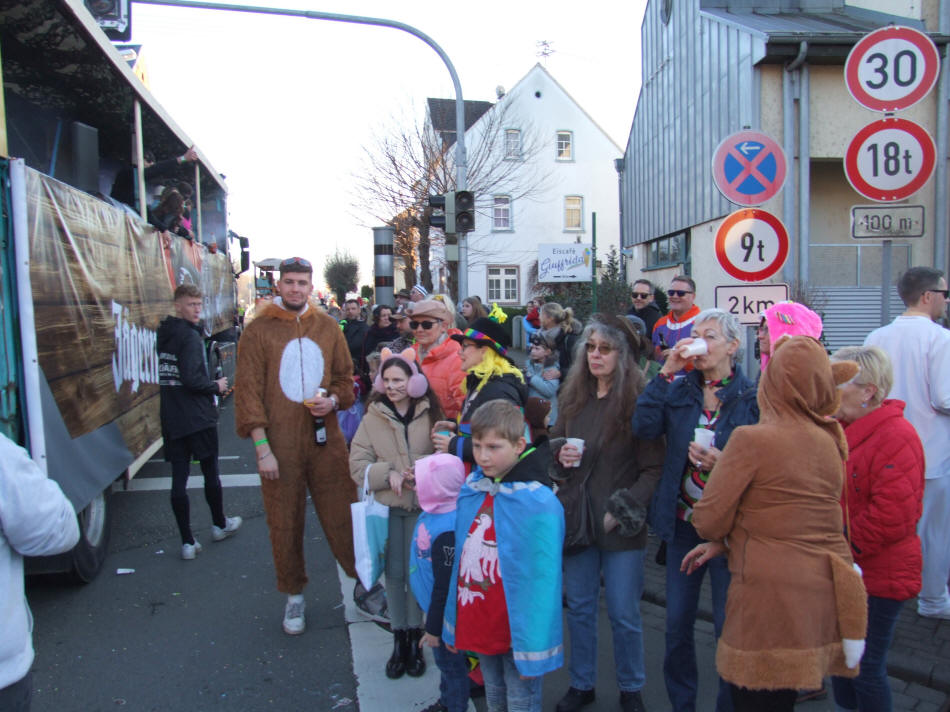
(301, 369)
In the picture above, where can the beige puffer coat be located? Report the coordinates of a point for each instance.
(381, 443)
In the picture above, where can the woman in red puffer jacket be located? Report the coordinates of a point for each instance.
(884, 488)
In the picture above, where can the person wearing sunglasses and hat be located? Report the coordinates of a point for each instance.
(429, 321)
(294, 371)
(489, 375)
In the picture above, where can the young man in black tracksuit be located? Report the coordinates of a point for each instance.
(189, 416)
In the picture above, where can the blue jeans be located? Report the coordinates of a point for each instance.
(16, 696)
(505, 691)
(454, 685)
(682, 600)
(623, 587)
(870, 690)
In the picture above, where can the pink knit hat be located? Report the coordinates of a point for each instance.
(791, 319)
(439, 478)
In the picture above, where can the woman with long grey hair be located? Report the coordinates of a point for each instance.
(607, 477)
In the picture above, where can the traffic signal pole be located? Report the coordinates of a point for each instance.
(461, 160)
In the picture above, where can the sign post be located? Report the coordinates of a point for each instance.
(749, 167)
(748, 301)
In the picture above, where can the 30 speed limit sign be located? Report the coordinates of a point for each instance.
(892, 68)
(751, 244)
(890, 159)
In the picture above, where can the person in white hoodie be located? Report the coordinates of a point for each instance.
(36, 519)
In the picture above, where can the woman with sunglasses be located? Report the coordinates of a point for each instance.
(438, 354)
(605, 487)
(715, 397)
(489, 375)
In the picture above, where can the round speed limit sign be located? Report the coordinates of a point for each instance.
(751, 244)
(891, 68)
(890, 159)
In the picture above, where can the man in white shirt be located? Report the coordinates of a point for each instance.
(920, 353)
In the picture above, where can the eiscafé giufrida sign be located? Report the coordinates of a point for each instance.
(565, 262)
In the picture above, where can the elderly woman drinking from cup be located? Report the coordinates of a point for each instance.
(439, 357)
(883, 500)
(608, 476)
(697, 413)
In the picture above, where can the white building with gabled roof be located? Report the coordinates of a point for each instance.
(539, 166)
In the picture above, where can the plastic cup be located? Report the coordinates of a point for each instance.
(579, 444)
(704, 437)
(697, 348)
(446, 433)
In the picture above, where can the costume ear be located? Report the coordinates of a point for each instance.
(385, 354)
(408, 355)
(844, 371)
(781, 340)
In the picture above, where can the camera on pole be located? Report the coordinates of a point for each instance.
(443, 212)
(464, 209)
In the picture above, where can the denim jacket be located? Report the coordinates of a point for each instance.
(673, 410)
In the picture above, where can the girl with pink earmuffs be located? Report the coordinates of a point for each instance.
(394, 433)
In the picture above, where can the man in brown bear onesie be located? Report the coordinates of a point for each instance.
(286, 355)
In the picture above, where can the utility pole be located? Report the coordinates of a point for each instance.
(461, 161)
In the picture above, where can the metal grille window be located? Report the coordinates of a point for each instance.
(512, 143)
(503, 285)
(573, 212)
(565, 146)
(501, 212)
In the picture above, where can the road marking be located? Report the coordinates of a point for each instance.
(164, 484)
(371, 647)
(220, 457)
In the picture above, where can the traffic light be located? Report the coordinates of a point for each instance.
(464, 211)
(114, 17)
(445, 203)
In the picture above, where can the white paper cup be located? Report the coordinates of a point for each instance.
(704, 437)
(579, 444)
(697, 348)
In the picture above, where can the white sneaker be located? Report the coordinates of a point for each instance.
(231, 525)
(190, 551)
(294, 622)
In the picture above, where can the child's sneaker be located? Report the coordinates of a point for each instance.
(294, 622)
(190, 551)
(231, 525)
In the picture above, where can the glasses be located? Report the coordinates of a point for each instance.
(944, 292)
(295, 262)
(604, 349)
(678, 292)
(641, 295)
(424, 324)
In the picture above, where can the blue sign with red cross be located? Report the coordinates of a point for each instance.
(749, 168)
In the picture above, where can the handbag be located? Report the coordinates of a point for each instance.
(370, 534)
(579, 528)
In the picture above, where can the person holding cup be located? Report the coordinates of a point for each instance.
(607, 477)
(696, 413)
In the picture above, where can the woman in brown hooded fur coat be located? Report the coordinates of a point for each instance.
(796, 607)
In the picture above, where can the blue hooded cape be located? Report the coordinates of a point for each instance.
(529, 527)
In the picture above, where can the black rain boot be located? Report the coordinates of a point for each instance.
(415, 662)
(396, 666)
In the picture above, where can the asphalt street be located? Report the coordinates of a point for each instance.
(183, 636)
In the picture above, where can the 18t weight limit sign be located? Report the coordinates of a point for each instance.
(890, 159)
(751, 245)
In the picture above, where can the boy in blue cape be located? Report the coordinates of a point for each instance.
(504, 603)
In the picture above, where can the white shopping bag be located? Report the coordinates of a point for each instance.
(370, 533)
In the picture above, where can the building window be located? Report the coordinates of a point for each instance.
(667, 251)
(501, 213)
(503, 285)
(573, 212)
(512, 143)
(565, 146)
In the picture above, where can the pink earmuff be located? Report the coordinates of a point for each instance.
(417, 386)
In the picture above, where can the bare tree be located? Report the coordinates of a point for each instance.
(408, 162)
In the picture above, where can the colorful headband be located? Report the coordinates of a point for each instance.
(479, 336)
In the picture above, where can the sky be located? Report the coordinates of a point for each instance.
(284, 107)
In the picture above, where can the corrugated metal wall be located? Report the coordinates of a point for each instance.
(699, 85)
(851, 313)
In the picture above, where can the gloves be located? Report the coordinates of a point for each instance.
(853, 650)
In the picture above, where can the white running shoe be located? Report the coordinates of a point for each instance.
(294, 622)
(190, 551)
(231, 525)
